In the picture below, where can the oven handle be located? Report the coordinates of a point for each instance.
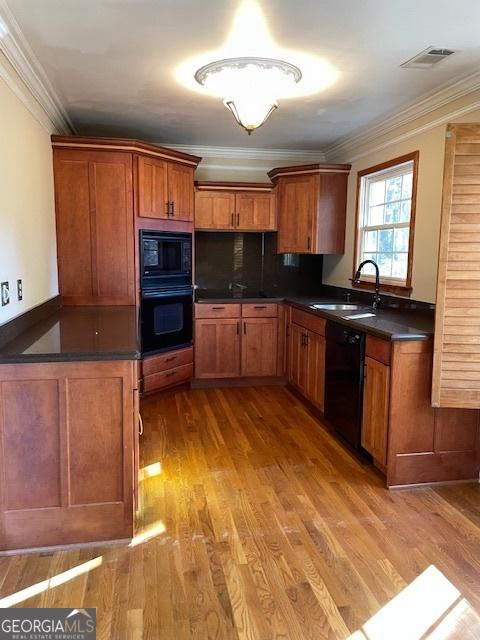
(173, 293)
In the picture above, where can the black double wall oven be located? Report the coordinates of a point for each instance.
(166, 309)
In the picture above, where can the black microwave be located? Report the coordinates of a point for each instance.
(165, 259)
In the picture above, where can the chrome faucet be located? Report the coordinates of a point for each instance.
(356, 280)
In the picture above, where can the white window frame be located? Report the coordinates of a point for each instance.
(394, 168)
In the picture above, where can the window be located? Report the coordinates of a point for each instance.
(385, 222)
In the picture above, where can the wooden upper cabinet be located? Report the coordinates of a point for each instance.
(165, 189)
(456, 364)
(153, 197)
(180, 191)
(214, 210)
(95, 238)
(295, 214)
(97, 183)
(235, 206)
(376, 396)
(255, 212)
(311, 208)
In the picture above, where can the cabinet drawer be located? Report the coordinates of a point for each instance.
(379, 349)
(155, 364)
(309, 321)
(267, 310)
(220, 310)
(164, 379)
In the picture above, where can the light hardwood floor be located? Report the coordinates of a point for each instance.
(261, 526)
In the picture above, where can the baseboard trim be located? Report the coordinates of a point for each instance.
(65, 547)
(208, 383)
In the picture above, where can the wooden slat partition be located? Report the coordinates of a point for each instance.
(456, 366)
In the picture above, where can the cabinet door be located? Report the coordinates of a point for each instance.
(111, 188)
(298, 357)
(74, 234)
(259, 346)
(62, 422)
(376, 396)
(255, 212)
(152, 188)
(315, 382)
(298, 197)
(214, 210)
(217, 348)
(180, 191)
(94, 210)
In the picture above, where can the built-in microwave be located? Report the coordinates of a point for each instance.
(165, 259)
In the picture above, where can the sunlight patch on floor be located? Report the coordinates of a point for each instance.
(430, 602)
(49, 583)
(148, 534)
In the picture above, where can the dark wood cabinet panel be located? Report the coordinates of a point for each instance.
(95, 239)
(259, 346)
(217, 348)
(180, 191)
(255, 212)
(295, 214)
(315, 381)
(32, 443)
(103, 413)
(376, 399)
(67, 450)
(113, 220)
(230, 206)
(74, 233)
(152, 188)
(311, 208)
(214, 210)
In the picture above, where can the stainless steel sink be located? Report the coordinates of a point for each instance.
(338, 307)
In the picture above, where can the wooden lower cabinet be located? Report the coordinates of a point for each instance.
(217, 348)
(167, 370)
(67, 452)
(259, 346)
(306, 369)
(376, 397)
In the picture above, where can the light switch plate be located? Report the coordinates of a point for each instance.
(5, 293)
(19, 290)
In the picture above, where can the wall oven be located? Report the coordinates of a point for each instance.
(166, 309)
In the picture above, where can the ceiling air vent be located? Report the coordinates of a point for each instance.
(428, 58)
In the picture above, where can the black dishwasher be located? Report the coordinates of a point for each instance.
(344, 361)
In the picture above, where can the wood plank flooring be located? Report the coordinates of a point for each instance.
(256, 524)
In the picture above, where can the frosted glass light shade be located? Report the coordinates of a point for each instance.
(250, 86)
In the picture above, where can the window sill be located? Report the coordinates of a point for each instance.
(396, 289)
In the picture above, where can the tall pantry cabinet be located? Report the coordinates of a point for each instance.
(102, 186)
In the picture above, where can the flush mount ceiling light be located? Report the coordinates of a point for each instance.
(251, 86)
(250, 72)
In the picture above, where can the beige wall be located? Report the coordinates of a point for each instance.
(431, 145)
(27, 214)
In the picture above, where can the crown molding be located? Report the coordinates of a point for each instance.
(427, 104)
(300, 156)
(17, 51)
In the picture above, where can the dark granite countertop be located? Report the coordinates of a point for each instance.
(388, 323)
(75, 334)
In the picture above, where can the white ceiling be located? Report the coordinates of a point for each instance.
(111, 63)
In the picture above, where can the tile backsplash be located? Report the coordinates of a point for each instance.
(225, 259)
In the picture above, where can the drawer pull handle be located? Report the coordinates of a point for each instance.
(170, 374)
(171, 358)
(260, 306)
(217, 308)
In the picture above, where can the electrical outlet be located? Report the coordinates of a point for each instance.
(5, 293)
(19, 290)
